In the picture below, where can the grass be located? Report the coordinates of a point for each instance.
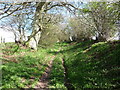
(20, 71)
(11, 48)
(93, 65)
(89, 65)
(57, 74)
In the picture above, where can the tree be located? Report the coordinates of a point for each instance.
(80, 29)
(19, 25)
(41, 10)
(104, 17)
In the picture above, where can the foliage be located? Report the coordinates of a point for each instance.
(104, 15)
(80, 28)
(52, 35)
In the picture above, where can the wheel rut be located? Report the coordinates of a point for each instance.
(67, 83)
(44, 80)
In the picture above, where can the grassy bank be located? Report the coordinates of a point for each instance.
(93, 65)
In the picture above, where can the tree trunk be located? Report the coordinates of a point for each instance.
(71, 39)
(37, 28)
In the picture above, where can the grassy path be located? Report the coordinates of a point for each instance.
(65, 66)
(23, 70)
(44, 80)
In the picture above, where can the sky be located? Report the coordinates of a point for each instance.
(7, 35)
